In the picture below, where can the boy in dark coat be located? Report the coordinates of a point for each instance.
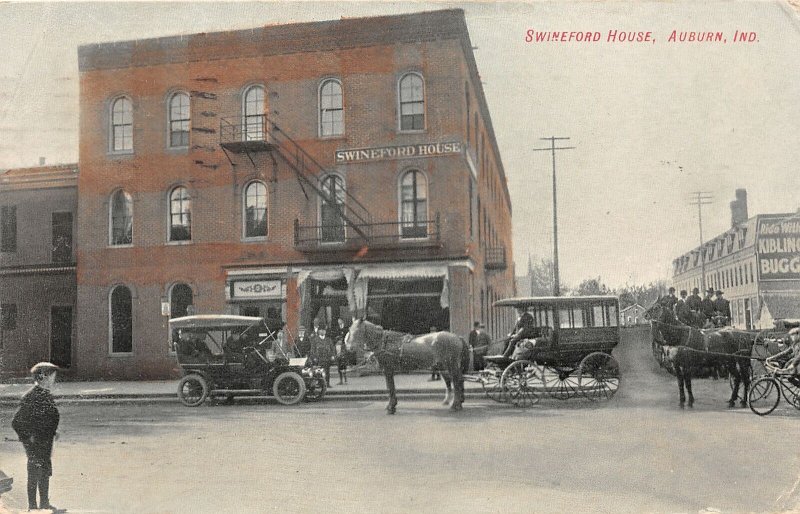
(35, 422)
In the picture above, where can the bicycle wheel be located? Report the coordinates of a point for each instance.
(764, 396)
(791, 391)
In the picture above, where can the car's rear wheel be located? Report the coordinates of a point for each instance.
(192, 390)
(289, 388)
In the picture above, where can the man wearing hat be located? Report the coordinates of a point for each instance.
(694, 302)
(723, 307)
(670, 300)
(35, 422)
(682, 311)
(707, 306)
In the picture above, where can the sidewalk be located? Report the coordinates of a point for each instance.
(166, 390)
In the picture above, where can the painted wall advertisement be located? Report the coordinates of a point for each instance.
(779, 248)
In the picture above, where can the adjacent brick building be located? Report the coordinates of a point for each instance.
(306, 171)
(756, 263)
(37, 267)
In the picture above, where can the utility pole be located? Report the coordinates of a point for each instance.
(552, 149)
(700, 198)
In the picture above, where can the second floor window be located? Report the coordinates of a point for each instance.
(253, 114)
(332, 224)
(179, 118)
(62, 236)
(331, 112)
(413, 205)
(180, 215)
(8, 228)
(122, 125)
(255, 210)
(121, 219)
(412, 102)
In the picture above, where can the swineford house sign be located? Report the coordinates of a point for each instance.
(397, 152)
(779, 248)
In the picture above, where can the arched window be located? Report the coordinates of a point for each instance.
(253, 113)
(179, 118)
(412, 102)
(331, 112)
(121, 320)
(330, 210)
(180, 299)
(121, 218)
(180, 215)
(255, 210)
(413, 205)
(122, 125)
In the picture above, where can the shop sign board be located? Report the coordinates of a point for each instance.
(257, 289)
(778, 248)
(383, 153)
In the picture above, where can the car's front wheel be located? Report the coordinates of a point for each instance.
(289, 388)
(192, 390)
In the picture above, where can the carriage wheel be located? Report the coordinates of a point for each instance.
(289, 388)
(560, 383)
(519, 382)
(598, 376)
(192, 390)
(490, 380)
(765, 393)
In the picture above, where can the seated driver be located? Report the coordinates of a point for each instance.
(524, 329)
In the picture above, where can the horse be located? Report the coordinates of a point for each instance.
(398, 351)
(685, 348)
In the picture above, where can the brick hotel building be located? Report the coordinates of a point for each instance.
(306, 171)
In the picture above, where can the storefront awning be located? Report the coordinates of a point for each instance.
(360, 291)
(325, 275)
(783, 306)
(401, 272)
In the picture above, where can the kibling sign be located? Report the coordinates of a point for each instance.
(778, 248)
(397, 152)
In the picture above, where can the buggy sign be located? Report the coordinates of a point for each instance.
(779, 248)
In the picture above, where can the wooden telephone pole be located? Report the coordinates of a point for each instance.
(552, 149)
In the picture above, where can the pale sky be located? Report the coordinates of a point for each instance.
(652, 122)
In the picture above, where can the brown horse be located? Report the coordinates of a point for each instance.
(396, 351)
(686, 348)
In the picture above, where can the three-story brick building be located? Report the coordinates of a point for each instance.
(308, 171)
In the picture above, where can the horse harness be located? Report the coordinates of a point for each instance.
(387, 337)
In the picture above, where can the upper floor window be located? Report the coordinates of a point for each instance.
(253, 114)
(331, 112)
(255, 210)
(121, 219)
(331, 207)
(180, 215)
(413, 205)
(8, 228)
(179, 118)
(121, 320)
(412, 102)
(122, 125)
(62, 236)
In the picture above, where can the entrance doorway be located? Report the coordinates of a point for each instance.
(61, 336)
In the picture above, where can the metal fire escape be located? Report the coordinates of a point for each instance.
(259, 134)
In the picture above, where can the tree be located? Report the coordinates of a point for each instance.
(540, 275)
(592, 286)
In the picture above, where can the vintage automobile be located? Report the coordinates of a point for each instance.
(227, 356)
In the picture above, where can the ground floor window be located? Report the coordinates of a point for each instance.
(180, 299)
(121, 322)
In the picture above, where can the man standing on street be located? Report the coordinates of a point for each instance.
(35, 422)
(323, 352)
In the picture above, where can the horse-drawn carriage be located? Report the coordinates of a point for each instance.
(567, 352)
(222, 355)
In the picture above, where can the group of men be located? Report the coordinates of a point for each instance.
(696, 311)
(325, 347)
